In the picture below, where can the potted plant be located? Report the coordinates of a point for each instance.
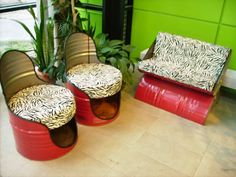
(117, 54)
(43, 43)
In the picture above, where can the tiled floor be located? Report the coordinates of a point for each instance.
(144, 141)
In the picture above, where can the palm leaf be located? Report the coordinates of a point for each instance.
(50, 27)
(31, 11)
(42, 13)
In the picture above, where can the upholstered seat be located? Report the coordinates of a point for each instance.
(49, 105)
(187, 61)
(96, 80)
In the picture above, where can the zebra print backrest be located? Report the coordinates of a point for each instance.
(188, 61)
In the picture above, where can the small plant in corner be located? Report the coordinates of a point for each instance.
(117, 54)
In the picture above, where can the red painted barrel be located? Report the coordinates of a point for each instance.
(33, 140)
(84, 113)
(185, 102)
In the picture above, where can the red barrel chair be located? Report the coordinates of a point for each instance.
(41, 114)
(96, 86)
(182, 75)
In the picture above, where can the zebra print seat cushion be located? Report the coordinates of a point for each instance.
(96, 80)
(185, 60)
(49, 105)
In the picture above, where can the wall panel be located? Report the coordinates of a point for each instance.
(209, 10)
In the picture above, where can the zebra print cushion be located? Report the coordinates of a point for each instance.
(50, 105)
(186, 60)
(96, 80)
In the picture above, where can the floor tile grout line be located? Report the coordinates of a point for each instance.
(201, 154)
(89, 155)
(162, 163)
(182, 147)
(204, 154)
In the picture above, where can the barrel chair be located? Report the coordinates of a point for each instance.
(182, 75)
(96, 86)
(41, 114)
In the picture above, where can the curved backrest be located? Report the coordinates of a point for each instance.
(80, 48)
(16, 72)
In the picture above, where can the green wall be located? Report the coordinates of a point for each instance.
(95, 16)
(208, 20)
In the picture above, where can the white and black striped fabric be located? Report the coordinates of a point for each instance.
(50, 105)
(186, 60)
(96, 80)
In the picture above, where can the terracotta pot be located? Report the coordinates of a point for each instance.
(44, 76)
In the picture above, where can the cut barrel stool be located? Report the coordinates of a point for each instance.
(96, 86)
(182, 75)
(41, 115)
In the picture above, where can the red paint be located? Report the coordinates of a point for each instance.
(33, 140)
(185, 102)
(84, 112)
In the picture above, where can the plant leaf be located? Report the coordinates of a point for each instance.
(106, 49)
(31, 11)
(42, 13)
(128, 48)
(115, 43)
(102, 59)
(100, 39)
(113, 52)
(113, 61)
(124, 54)
(122, 64)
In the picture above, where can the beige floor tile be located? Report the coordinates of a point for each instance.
(169, 153)
(114, 173)
(15, 165)
(211, 167)
(181, 131)
(78, 164)
(223, 156)
(98, 145)
(36, 169)
(221, 124)
(122, 131)
(136, 164)
(223, 150)
(129, 113)
(9, 167)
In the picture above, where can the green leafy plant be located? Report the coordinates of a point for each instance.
(117, 54)
(43, 40)
(68, 20)
(58, 71)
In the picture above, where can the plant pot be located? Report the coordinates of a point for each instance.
(44, 76)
